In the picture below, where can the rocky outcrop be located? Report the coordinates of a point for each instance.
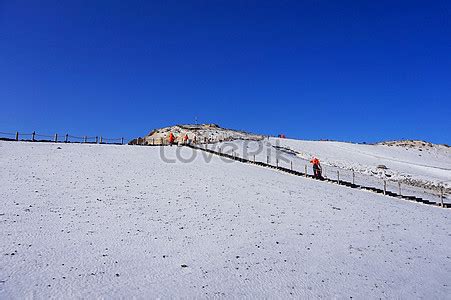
(201, 133)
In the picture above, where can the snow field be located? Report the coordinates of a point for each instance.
(116, 221)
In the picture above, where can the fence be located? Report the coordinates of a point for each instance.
(349, 178)
(332, 174)
(386, 186)
(56, 138)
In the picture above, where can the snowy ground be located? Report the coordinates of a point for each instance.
(424, 163)
(420, 169)
(116, 221)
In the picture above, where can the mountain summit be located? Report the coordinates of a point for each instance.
(200, 132)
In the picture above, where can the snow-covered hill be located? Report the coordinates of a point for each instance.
(90, 221)
(200, 132)
(423, 165)
(422, 168)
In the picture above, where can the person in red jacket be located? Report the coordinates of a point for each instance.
(171, 139)
(185, 138)
(317, 170)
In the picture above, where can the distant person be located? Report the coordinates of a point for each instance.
(185, 139)
(171, 139)
(317, 170)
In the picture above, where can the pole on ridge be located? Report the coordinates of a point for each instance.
(17, 135)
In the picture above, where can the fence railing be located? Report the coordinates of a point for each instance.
(331, 173)
(57, 138)
(386, 187)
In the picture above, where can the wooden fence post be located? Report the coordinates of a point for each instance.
(399, 188)
(17, 135)
(56, 137)
(153, 141)
(32, 136)
(67, 138)
(305, 170)
(385, 187)
(122, 141)
(277, 162)
(291, 165)
(338, 177)
(97, 139)
(267, 159)
(102, 139)
(441, 197)
(254, 158)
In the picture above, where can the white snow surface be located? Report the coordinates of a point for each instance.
(430, 165)
(426, 167)
(90, 221)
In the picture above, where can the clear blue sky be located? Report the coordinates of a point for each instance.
(344, 70)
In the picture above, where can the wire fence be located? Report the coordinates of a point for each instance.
(59, 138)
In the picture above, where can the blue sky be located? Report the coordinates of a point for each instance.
(342, 70)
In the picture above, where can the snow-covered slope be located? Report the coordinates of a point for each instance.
(427, 164)
(420, 168)
(88, 221)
